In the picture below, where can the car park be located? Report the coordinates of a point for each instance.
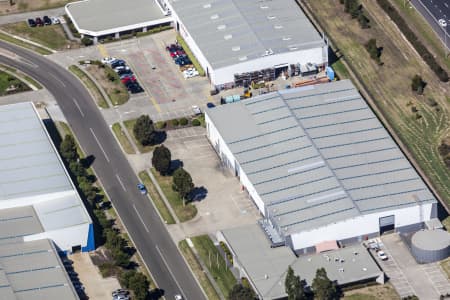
(39, 22)
(31, 23)
(47, 20)
(141, 188)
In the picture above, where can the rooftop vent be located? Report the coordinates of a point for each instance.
(341, 270)
(236, 48)
(364, 269)
(207, 5)
(292, 48)
(264, 7)
(271, 17)
(221, 27)
(228, 36)
(214, 17)
(278, 26)
(266, 276)
(242, 58)
(286, 38)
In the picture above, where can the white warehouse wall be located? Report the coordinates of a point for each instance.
(224, 152)
(64, 238)
(314, 55)
(30, 200)
(360, 226)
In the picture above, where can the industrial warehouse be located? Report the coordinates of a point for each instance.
(319, 166)
(239, 42)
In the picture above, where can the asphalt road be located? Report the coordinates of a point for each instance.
(432, 11)
(146, 229)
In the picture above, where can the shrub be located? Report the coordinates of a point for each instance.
(184, 121)
(417, 84)
(111, 75)
(372, 48)
(196, 122)
(175, 122)
(87, 41)
(160, 125)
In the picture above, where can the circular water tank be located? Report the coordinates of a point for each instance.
(430, 245)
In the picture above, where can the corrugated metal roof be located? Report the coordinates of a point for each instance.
(318, 155)
(15, 223)
(32, 270)
(228, 30)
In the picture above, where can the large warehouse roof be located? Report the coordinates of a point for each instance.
(110, 16)
(32, 270)
(32, 174)
(318, 155)
(232, 31)
(267, 266)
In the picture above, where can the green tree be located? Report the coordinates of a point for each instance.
(161, 159)
(363, 20)
(417, 84)
(121, 258)
(77, 169)
(144, 130)
(352, 7)
(294, 286)
(182, 183)
(139, 284)
(240, 292)
(87, 41)
(374, 52)
(323, 287)
(68, 148)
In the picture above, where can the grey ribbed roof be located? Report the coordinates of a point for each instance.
(102, 15)
(32, 270)
(18, 222)
(318, 155)
(252, 26)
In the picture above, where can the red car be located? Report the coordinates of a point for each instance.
(128, 78)
(39, 22)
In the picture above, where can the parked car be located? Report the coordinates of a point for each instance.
(124, 72)
(55, 20)
(121, 68)
(108, 60)
(196, 110)
(141, 188)
(173, 47)
(120, 292)
(31, 23)
(47, 20)
(442, 23)
(189, 73)
(118, 63)
(210, 105)
(382, 255)
(128, 78)
(178, 297)
(134, 87)
(39, 22)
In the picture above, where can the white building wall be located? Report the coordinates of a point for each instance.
(314, 55)
(26, 201)
(227, 156)
(64, 238)
(360, 226)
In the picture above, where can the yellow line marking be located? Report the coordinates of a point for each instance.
(102, 50)
(155, 104)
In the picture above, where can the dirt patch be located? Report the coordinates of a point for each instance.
(116, 91)
(386, 292)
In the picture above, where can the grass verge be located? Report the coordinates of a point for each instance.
(99, 99)
(129, 124)
(156, 198)
(445, 265)
(122, 138)
(110, 82)
(7, 80)
(184, 212)
(23, 44)
(373, 292)
(51, 36)
(191, 55)
(215, 263)
(23, 75)
(198, 271)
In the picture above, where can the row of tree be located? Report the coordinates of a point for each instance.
(322, 287)
(113, 241)
(181, 179)
(413, 39)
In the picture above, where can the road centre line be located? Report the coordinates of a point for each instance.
(170, 271)
(140, 218)
(101, 148)
(78, 106)
(57, 79)
(121, 183)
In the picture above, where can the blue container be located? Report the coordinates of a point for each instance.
(330, 73)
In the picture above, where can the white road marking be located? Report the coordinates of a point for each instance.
(170, 271)
(101, 148)
(78, 106)
(140, 218)
(121, 183)
(57, 79)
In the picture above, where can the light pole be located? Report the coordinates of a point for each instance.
(444, 26)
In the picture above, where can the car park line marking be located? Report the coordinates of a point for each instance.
(140, 218)
(102, 50)
(78, 106)
(121, 183)
(57, 79)
(170, 271)
(101, 148)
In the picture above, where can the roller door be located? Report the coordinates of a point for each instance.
(387, 224)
